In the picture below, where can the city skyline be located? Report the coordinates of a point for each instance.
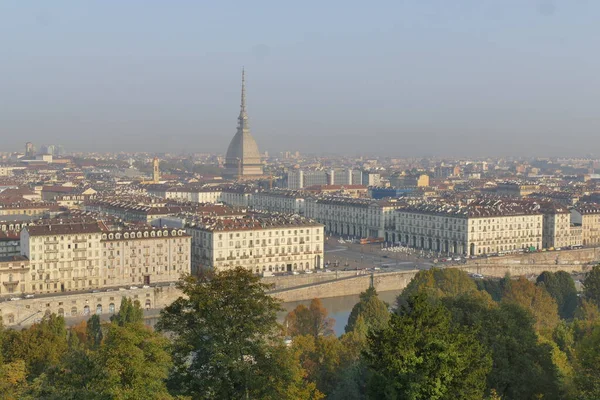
(454, 80)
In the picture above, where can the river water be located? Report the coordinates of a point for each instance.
(339, 308)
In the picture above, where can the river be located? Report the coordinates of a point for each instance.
(339, 308)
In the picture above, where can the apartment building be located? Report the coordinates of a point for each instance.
(261, 244)
(144, 256)
(71, 257)
(483, 226)
(63, 257)
(280, 201)
(556, 232)
(14, 273)
(587, 215)
(354, 217)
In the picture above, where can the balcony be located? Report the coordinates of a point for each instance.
(79, 240)
(79, 258)
(80, 249)
(230, 258)
(244, 257)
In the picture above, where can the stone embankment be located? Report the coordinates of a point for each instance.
(79, 306)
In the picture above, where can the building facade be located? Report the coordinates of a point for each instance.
(479, 228)
(73, 257)
(587, 215)
(360, 218)
(260, 244)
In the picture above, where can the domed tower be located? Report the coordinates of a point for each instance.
(243, 158)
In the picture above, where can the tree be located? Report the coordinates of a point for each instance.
(94, 331)
(561, 287)
(41, 346)
(423, 354)
(537, 300)
(438, 283)
(309, 321)
(495, 287)
(374, 312)
(587, 377)
(522, 367)
(130, 312)
(224, 333)
(133, 363)
(591, 285)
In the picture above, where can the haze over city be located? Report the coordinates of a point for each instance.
(461, 78)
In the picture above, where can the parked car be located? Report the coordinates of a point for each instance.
(15, 298)
(29, 296)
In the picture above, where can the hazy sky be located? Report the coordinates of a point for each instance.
(412, 77)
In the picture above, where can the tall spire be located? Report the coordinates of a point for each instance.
(243, 91)
(243, 118)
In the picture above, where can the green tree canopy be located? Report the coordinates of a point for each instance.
(312, 320)
(587, 366)
(437, 283)
(591, 285)
(561, 286)
(371, 309)
(537, 300)
(224, 333)
(423, 354)
(522, 368)
(130, 312)
(40, 346)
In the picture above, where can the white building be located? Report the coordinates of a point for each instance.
(258, 243)
(144, 256)
(63, 257)
(354, 217)
(281, 201)
(481, 227)
(71, 257)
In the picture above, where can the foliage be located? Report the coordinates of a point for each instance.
(495, 287)
(561, 287)
(133, 363)
(130, 312)
(224, 332)
(537, 300)
(437, 283)
(521, 368)
(591, 285)
(40, 346)
(94, 333)
(312, 320)
(587, 367)
(423, 354)
(371, 309)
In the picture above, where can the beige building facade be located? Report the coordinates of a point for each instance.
(482, 227)
(259, 244)
(360, 218)
(587, 215)
(87, 256)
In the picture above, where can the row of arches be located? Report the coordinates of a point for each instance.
(435, 244)
(98, 310)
